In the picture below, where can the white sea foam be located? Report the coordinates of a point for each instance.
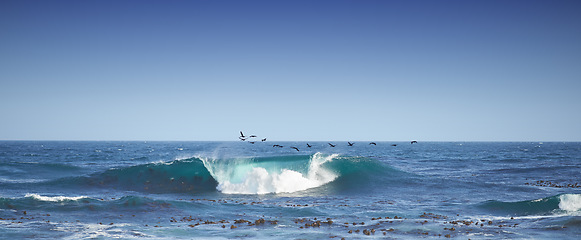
(249, 179)
(570, 202)
(100, 231)
(182, 157)
(54, 199)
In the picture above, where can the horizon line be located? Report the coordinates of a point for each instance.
(89, 140)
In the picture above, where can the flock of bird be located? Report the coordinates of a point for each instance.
(350, 144)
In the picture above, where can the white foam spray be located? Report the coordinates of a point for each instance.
(53, 199)
(242, 178)
(570, 202)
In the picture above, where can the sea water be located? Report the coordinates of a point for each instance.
(238, 190)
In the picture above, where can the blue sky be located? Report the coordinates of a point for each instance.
(291, 70)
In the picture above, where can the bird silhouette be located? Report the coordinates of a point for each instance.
(331, 145)
(308, 145)
(242, 137)
(295, 148)
(350, 144)
(372, 143)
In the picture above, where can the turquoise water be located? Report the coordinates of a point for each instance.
(201, 190)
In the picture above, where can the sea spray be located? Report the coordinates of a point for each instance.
(249, 176)
(570, 202)
(316, 171)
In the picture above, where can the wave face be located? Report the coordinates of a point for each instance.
(569, 204)
(188, 175)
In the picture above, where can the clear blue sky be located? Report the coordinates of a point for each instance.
(291, 70)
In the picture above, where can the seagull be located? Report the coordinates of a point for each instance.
(414, 142)
(264, 139)
(308, 145)
(276, 145)
(295, 148)
(251, 142)
(350, 144)
(251, 136)
(331, 145)
(394, 145)
(372, 143)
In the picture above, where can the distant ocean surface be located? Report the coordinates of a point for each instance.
(238, 190)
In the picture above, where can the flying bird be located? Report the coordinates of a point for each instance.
(295, 148)
(331, 145)
(242, 137)
(372, 143)
(308, 145)
(394, 145)
(264, 139)
(350, 144)
(414, 142)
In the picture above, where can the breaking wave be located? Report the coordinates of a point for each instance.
(569, 204)
(268, 175)
(246, 175)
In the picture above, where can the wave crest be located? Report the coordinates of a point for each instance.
(570, 202)
(53, 199)
(262, 177)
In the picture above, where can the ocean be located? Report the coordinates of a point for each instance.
(239, 190)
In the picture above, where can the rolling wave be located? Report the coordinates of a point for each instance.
(288, 174)
(67, 203)
(261, 175)
(569, 204)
